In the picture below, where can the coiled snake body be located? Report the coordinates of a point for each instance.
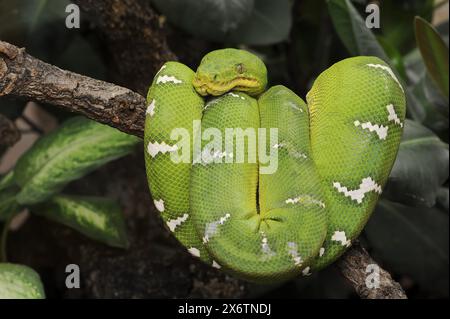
(261, 223)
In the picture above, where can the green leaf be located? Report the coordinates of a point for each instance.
(396, 17)
(252, 22)
(7, 180)
(394, 56)
(359, 40)
(76, 148)
(19, 282)
(270, 22)
(8, 204)
(421, 167)
(434, 53)
(96, 217)
(413, 242)
(352, 30)
(209, 19)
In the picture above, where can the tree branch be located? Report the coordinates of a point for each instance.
(22, 75)
(353, 265)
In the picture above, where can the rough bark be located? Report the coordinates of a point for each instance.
(353, 266)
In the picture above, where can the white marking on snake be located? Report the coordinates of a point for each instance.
(306, 271)
(321, 251)
(173, 223)
(295, 154)
(379, 129)
(211, 228)
(162, 68)
(265, 248)
(236, 95)
(392, 117)
(194, 251)
(367, 185)
(216, 265)
(207, 156)
(154, 148)
(280, 145)
(159, 204)
(388, 70)
(293, 252)
(305, 199)
(340, 236)
(295, 106)
(167, 79)
(151, 108)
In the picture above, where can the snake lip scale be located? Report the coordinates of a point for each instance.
(206, 87)
(334, 154)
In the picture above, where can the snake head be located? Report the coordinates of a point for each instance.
(224, 70)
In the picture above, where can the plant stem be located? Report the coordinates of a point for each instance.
(3, 254)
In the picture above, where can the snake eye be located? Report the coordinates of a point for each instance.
(240, 68)
(215, 77)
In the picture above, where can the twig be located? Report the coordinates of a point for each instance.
(353, 266)
(24, 76)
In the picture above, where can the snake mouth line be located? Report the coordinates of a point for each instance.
(243, 84)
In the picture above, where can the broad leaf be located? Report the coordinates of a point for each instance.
(421, 167)
(97, 218)
(359, 40)
(270, 22)
(396, 17)
(76, 148)
(210, 19)
(352, 30)
(8, 204)
(252, 22)
(434, 53)
(413, 242)
(19, 282)
(7, 180)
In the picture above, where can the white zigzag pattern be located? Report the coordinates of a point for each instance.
(168, 78)
(388, 70)
(173, 223)
(293, 252)
(379, 129)
(367, 185)
(392, 117)
(341, 237)
(151, 108)
(211, 228)
(154, 148)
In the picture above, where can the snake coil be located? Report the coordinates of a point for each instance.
(256, 219)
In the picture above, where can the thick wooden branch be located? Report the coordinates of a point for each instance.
(24, 76)
(353, 266)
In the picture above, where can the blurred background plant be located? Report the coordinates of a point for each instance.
(408, 233)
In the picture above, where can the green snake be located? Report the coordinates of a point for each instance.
(224, 199)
